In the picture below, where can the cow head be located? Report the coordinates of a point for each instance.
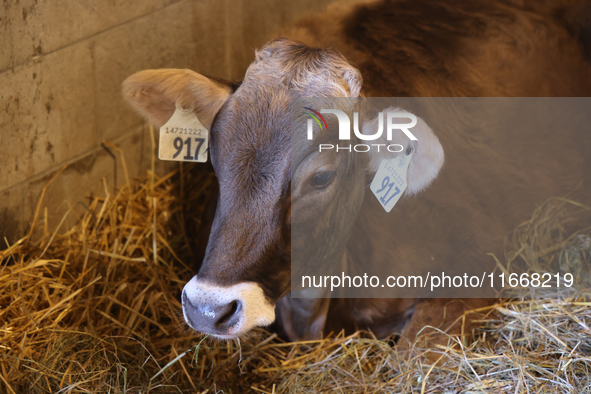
(263, 182)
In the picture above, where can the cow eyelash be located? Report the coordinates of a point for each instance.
(322, 179)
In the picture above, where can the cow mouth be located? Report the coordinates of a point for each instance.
(226, 312)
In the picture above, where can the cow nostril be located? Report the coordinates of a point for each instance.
(226, 315)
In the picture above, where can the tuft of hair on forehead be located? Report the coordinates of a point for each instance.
(304, 70)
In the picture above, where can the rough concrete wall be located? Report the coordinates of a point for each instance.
(61, 67)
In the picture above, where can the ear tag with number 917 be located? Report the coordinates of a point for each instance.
(183, 137)
(390, 180)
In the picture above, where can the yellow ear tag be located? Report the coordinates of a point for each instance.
(183, 137)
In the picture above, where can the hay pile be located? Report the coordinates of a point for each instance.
(96, 310)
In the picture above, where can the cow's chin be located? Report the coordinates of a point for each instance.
(226, 312)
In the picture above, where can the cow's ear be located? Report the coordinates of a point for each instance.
(427, 158)
(154, 94)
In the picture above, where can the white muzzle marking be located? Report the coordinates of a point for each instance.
(255, 309)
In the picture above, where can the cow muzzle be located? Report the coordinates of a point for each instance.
(226, 312)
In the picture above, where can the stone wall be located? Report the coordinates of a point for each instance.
(61, 67)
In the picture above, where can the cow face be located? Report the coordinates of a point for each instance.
(263, 181)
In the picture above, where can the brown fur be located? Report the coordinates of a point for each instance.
(154, 94)
(402, 48)
(452, 48)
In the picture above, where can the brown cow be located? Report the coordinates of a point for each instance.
(401, 48)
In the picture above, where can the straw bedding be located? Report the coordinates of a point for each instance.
(95, 309)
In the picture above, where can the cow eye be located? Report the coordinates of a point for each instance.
(322, 179)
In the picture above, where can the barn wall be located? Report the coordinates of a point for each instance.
(61, 67)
